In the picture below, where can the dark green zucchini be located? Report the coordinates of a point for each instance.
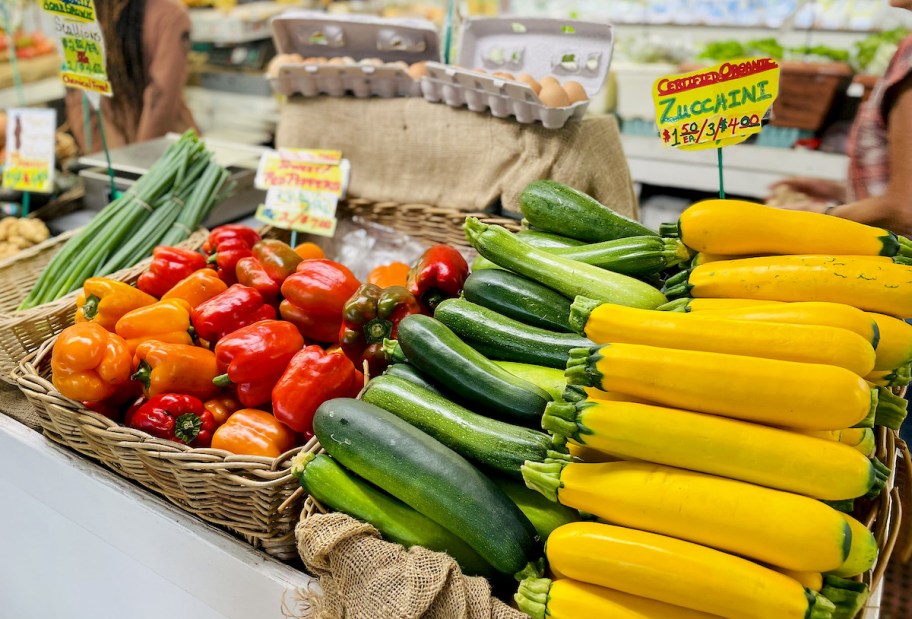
(519, 298)
(555, 207)
(508, 339)
(345, 492)
(436, 351)
(429, 477)
(411, 374)
(496, 444)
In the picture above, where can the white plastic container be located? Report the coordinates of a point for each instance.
(356, 36)
(564, 48)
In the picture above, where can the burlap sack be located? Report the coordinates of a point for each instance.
(14, 404)
(408, 150)
(363, 577)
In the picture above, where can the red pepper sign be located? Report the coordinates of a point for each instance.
(715, 107)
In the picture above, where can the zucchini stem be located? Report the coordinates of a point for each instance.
(544, 478)
(890, 409)
(678, 305)
(560, 419)
(299, 463)
(868, 422)
(580, 310)
(880, 472)
(532, 597)
(819, 607)
(581, 368)
(849, 596)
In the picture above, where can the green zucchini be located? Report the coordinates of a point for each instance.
(519, 298)
(411, 374)
(344, 492)
(496, 444)
(510, 339)
(555, 207)
(437, 352)
(429, 477)
(569, 277)
(551, 380)
(544, 514)
(535, 239)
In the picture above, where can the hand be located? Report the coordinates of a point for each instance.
(813, 189)
(811, 206)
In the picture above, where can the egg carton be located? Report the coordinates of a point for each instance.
(563, 48)
(358, 37)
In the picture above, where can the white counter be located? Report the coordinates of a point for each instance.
(78, 541)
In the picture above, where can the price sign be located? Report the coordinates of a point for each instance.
(303, 189)
(715, 107)
(81, 45)
(30, 145)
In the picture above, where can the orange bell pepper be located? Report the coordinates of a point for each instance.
(253, 432)
(387, 275)
(310, 251)
(164, 321)
(175, 368)
(103, 301)
(222, 407)
(89, 363)
(197, 287)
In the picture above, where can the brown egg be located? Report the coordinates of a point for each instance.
(549, 80)
(575, 91)
(525, 78)
(504, 75)
(374, 61)
(342, 60)
(418, 70)
(553, 96)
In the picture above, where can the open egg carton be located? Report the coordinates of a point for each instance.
(362, 55)
(575, 53)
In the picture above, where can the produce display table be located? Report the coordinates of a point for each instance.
(82, 542)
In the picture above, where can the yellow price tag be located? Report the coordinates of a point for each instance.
(715, 107)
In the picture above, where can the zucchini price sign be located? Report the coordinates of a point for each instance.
(717, 106)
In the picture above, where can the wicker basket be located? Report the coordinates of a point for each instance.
(807, 92)
(22, 332)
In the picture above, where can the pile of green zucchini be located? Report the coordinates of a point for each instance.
(431, 452)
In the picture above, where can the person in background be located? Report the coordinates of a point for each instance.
(879, 188)
(146, 47)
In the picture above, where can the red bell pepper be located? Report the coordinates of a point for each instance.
(237, 307)
(251, 273)
(438, 275)
(169, 266)
(278, 259)
(315, 296)
(254, 358)
(226, 245)
(371, 315)
(176, 417)
(312, 377)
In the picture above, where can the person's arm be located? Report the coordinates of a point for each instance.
(892, 210)
(167, 75)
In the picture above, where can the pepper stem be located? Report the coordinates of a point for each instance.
(543, 477)
(90, 307)
(211, 259)
(580, 310)
(143, 374)
(532, 597)
(890, 409)
(221, 380)
(377, 330)
(187, 427)
(434, 297)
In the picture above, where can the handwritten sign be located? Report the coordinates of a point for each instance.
(81, 44)
(289, 169)
(715, 107)
(290, 208)
(30, 145)
(80, 10)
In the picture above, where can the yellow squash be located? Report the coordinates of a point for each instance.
(862, 553)
(775, 527)
(861, 440)
(703, 305)
(738, 228)
(570, 599)
(608, 323)
(900, 377)
(803, 313)
(895, 347)
(679, 573)
(784, 393)
(587, 454)
(810, 580)
(772, 457)
(867, 284)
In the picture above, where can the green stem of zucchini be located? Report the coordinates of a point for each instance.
(574, 393)
(560, 418)
(849, 596)
(580, 310)
(581, 368)
(868, 422)
(299, 463)
(670, 230)
(903, 260)
(846, 506)
(880, 473)
(677, 291)
(901, 376)
(678, 278)
(905, 246)
(532, 597)
(818, 606)
(394, 352)
(678, 305)
(544, 478)
(890, 409)
(533, 569)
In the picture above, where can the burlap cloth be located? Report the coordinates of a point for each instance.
(408, 150)
(363, 577)
(14, 404)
